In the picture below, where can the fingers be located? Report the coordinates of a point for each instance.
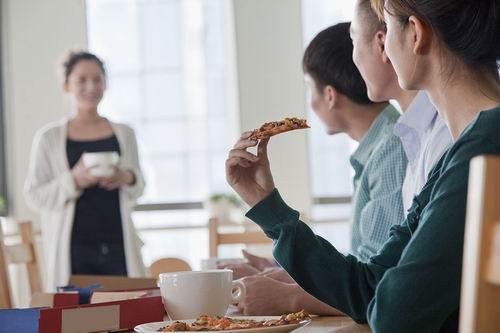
(90, 179)
(244, 141)
(238, 156)
(105, 179)
(236, 161)
(241, 308)
(245, 135)
(262, 148)
(248, 255)
(109, 183)
(244, 144)
(243, 154)
(226, 266)
(105, 183)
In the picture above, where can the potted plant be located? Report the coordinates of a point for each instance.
(221, 206)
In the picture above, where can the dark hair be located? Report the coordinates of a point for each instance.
(470, 29)
(72, 57)
(328, 60)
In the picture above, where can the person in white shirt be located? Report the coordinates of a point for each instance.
(423, 133)
(425, 138)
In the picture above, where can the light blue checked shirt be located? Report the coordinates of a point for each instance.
(380, 165)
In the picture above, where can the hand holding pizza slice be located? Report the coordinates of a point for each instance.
(276, 127)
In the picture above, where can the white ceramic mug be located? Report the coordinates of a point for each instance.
(101, 164)
(187, 295)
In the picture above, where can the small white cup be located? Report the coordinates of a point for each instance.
(187, 295)
(101, 164)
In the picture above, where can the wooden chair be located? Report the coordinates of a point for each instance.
(480, 297)
(23, 253)
(5, 301)
(167, 265)
(247, 237)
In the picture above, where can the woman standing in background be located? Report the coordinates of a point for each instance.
(86, 220)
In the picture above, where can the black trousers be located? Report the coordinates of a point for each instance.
(98, 258)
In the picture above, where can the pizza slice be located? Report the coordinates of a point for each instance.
(276, 127)
(207, 323)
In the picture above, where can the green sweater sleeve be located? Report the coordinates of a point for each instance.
(341, 281)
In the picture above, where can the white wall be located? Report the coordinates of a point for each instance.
(35, 34)
(269, 53)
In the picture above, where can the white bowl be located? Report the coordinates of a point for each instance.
(101, 164)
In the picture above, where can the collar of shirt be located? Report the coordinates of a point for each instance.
(372, 137)
(413, 124)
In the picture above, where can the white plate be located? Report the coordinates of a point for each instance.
(154, 327)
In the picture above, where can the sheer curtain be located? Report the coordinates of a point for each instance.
(167, 78)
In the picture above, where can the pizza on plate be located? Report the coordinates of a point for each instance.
(276, 127)
(207, 323)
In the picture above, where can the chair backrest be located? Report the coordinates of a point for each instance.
(167, 265)
(247, 237)
(480, 296)
(22, 253)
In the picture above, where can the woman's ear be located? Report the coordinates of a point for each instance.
(380, 45)
(331, 96)
(419, 35)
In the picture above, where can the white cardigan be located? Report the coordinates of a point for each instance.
(51, 190)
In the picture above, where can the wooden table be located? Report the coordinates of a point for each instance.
(333, 324)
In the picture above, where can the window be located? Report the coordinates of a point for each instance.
(330, 168)
(166, 78)
(331, 171)
(166, 69)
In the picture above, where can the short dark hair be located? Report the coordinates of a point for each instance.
(328, 60)
(73, 57)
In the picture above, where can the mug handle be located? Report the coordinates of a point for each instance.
(240, 293)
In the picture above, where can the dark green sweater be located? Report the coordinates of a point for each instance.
(413, 283)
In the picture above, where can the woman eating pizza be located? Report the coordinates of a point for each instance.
(449, 49)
